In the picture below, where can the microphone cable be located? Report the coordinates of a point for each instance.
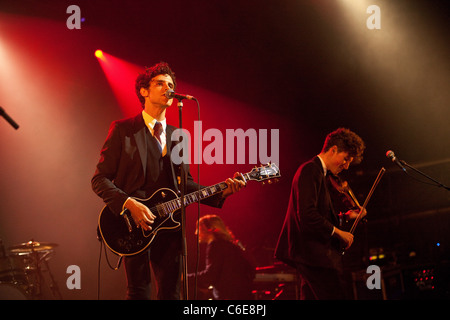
(198, 209)
(119, 262)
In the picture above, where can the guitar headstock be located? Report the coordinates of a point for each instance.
(264, 172)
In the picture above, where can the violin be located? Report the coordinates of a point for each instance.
(343, 197)
(343, 188)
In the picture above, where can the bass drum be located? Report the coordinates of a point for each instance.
(12, 291)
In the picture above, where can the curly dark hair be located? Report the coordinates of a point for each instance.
(346, 141)
(143, 79)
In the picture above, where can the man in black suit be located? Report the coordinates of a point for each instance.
(310, 240)
(135, 162)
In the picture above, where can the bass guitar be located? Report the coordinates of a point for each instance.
(124, 238)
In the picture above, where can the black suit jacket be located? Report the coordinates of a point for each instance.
(122, 168)
(306, 236)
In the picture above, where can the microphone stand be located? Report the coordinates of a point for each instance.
(8, 118)
(183, 208)
(425, 175)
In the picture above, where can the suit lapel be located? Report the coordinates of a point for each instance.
(330, 202)
(141, 140)
(169, 130)
(327, 192)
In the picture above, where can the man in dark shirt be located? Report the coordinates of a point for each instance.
(310, 240)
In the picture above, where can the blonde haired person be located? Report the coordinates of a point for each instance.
(227, 269)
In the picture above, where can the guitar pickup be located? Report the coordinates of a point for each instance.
(127, 220)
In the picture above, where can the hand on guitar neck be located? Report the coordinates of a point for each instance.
(234, 185)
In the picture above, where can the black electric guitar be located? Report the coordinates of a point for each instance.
(124, 238)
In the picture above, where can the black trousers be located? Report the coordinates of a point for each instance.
(164, 257)
(319, 283)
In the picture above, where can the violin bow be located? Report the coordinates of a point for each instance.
(375, 184)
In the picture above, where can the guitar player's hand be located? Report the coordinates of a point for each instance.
(142, 215)
(234, 185)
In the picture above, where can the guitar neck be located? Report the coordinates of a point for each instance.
(210, 191)
(204, 193)
(167, 208)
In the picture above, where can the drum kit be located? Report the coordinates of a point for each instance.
(21, 271)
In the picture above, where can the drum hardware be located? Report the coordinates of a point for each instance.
(21, 271)
(32, 246)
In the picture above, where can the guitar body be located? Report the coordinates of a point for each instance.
(125, 241)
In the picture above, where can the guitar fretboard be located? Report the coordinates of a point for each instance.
(258, 174)
(166, 208)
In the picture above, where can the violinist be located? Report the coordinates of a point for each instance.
(311, 240)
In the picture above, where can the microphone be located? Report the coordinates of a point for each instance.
(170, 94)
(391, 155)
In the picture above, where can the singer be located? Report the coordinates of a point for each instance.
(135, 162)
(310, 240)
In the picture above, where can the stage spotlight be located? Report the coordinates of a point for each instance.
(99, 54)
(121, 75)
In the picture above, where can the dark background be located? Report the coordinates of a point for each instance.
(303, 67)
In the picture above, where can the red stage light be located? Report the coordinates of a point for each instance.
(121, 76)
(99, 54)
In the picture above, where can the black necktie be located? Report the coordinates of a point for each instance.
(157, 130)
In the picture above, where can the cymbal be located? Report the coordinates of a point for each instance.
(32, 246)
